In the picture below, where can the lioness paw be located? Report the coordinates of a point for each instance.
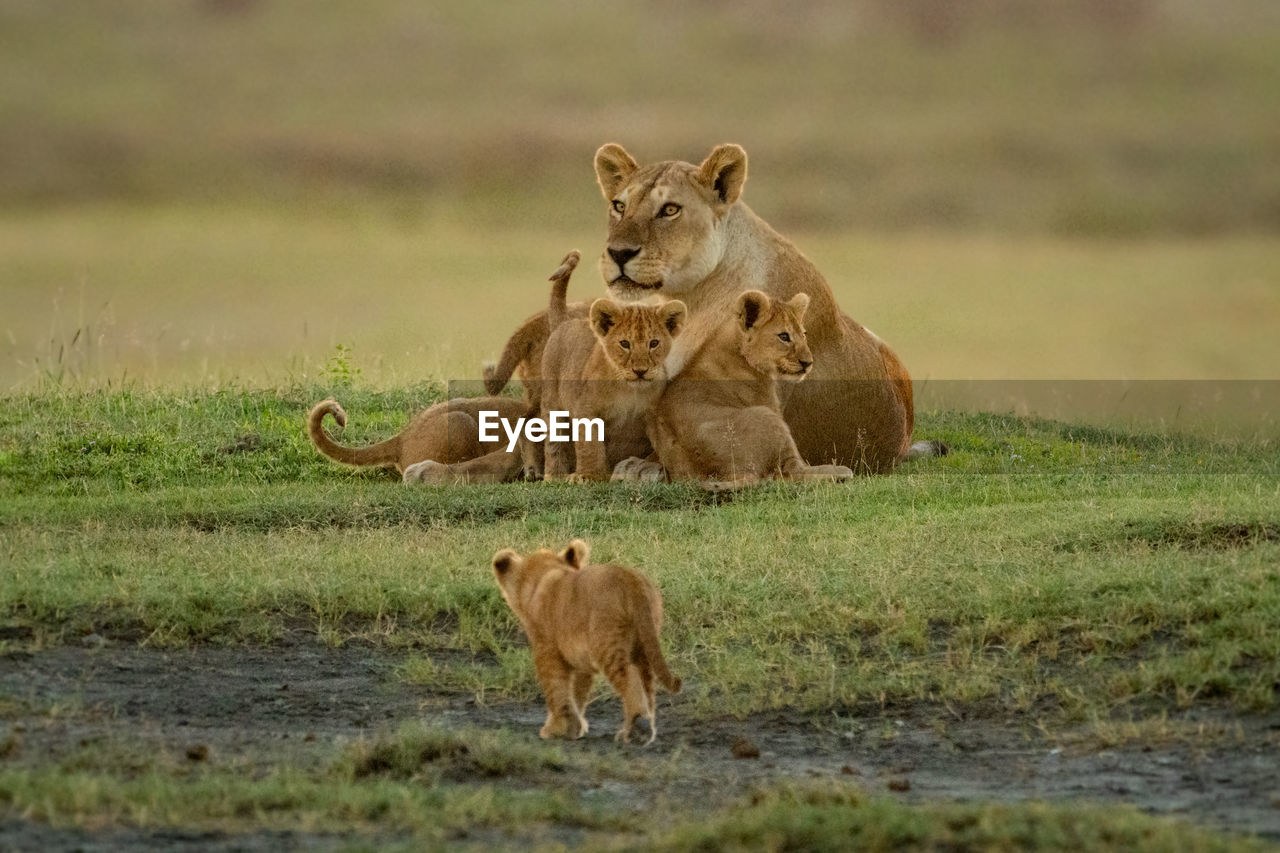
(633, 469)
(835, 472)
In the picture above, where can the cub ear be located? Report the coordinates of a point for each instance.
(576, 553)
(504, 561)
(799, 303)
(604, 316)
(724, 172)
(751, 306)
(673, 314)
(614, 167)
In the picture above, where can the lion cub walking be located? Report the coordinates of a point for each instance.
(581, 620)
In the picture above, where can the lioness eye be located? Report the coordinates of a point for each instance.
(784, 337)
(625, 344)
(619, 206)
(669, 209)
(653, 344)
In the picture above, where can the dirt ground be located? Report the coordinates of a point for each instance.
(293, 702)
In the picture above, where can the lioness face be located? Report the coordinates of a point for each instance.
(637, 338)
(665, 220)
(773, 335)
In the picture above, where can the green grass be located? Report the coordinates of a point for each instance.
(418, 783)
(841, 818)
(424, 786)
(1042, 564)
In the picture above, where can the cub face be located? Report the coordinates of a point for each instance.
(515, 573)
(636, 339)
(773, 334)
(665, 219)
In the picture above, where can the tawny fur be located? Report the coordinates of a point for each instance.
(523, 350)
(721, 420)
(447, 432)
(523, 353)
(582, 620)
(682, 231)
(611, 366)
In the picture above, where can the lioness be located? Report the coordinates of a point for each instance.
(721, 420)
(447, 432)
(581, 620)
(682, 230)
(611, 367)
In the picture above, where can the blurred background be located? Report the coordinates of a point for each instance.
(213, 191)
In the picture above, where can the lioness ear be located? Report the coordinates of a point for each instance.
(724, 172)
(604, 316)
(576, 553)
(614, 167)
(504, 560)
(751, 305)
(799, 303)
(673, 314)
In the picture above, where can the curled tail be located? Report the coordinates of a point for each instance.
(559, 279)
(648, 633)
(383, 453)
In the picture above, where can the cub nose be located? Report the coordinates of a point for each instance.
(804, 366)
(639, 373)
(621, 256)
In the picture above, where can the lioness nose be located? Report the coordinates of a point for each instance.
(621, 256)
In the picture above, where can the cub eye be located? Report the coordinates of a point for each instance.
(619, 206)
(653, 344)
(669, 209)
(625, 344)
(784, 337)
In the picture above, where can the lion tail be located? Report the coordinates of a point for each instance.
(647, 630)
(518, 350)
(557, 307)
(925, 449)
(383, 453)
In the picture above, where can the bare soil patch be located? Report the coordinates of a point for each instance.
(293, 702)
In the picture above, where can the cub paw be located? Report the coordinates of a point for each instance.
(428, 471)
(568, 727)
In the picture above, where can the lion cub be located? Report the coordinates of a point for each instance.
(721, 419)
(447, 432)
(523, 351)
(612, 366)
(581, 620)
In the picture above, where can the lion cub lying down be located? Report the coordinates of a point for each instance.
(721, 419)
(581, 620)
(447, 432)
